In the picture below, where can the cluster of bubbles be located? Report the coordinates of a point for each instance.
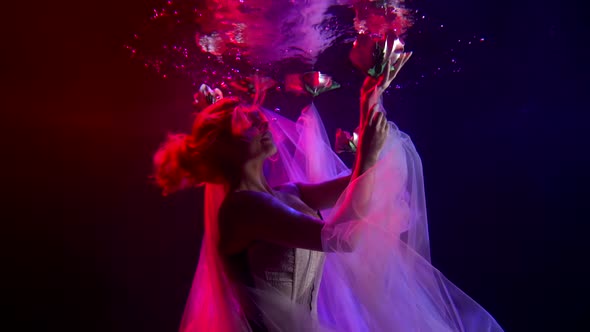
(223, 41)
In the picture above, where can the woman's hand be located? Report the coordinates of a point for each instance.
(372, 138)
(373, 122)
(373, 87)
(374, 125)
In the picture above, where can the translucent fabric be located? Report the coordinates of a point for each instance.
(376, 275)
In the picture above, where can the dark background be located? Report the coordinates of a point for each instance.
(90, 245)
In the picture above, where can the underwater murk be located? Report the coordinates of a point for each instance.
(224, 44)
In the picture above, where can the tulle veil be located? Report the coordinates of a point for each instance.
(386, 283)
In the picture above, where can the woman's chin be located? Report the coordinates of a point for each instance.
(270, 149)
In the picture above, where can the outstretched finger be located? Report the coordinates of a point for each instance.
(385, 124)
(397, 66)
(405, 57)
(389, 46)
(387, 75)
(380, 120)
(376, 116)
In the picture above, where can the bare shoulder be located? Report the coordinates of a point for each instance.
(242, 204)
(256, 206)
(248, 216)
(237, 214)
(288, 188)
(241, 210)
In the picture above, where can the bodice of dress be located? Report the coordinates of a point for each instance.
(271, 269)
(294, 272)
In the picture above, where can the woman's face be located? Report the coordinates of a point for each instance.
(250, 127)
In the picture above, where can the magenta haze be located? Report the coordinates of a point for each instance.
(217, 41)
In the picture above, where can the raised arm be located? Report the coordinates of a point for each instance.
(249, 216)
(323, 195)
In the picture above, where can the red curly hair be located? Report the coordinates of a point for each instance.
(185, 161)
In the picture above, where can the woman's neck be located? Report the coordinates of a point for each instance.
(251, 177)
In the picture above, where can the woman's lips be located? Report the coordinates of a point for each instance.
(267, 135)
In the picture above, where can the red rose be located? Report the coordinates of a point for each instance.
(344, 142)
(370, 54)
